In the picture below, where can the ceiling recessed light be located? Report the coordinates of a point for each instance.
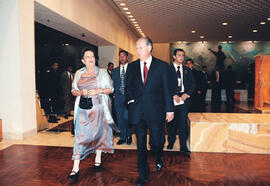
(132, 19)
(66, 44)
(201, 37)
(128, 12)
(254, 31)
(130, 16)
(193, 31)
(268, 19)
(225, 24)
(262, 23)
(134, 22)
(229, 36)
(125, 8)
(122, 4)
(136, 25)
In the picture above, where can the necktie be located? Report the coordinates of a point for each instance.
(122, 83)
(179, 79)
(145, 73)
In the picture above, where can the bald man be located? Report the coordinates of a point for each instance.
(149, 104)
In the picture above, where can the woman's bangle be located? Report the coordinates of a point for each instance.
(102, 91)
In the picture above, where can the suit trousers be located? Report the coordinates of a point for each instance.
(179, 122)
(122, 117)
(68, 103)
(156, 141)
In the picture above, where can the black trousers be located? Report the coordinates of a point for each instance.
(216, 94)
(230, 95)
(156, 141)
(179, 122)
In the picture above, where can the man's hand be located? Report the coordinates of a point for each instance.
(198, 92)
(184, 96)
(169, 117)
(176, 98)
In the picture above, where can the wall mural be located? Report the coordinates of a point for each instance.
(238, 54)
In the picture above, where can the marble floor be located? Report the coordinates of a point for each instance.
(65, 139)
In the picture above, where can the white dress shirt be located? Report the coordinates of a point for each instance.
(125, 68)
(180, 80)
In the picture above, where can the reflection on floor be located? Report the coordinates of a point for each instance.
(44, 165)
(45, 159)
(59, 136)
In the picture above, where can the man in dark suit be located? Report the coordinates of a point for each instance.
(119, 81)
(204, 83)
(182, 87)
(229, 84)
(66, 81)
(53, 92)
(216, 82)
(110, 68)
(149, 104)
(196, 103)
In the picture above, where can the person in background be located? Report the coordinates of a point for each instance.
(216, 78)
(119, 81)
(229, 84)
(110, 68)
(204, 84)
(66, 81)
(196, 101)
(182, 86)
(53, 92)
(93, 133)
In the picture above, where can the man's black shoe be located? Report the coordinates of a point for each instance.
(129, 140)
(141, 181)
(120, 142)
(170, 146)
(185, 152)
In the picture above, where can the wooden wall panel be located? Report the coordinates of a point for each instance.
(262, 82)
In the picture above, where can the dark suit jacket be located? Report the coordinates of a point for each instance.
(213, 78)
(188, 81)
(117, 81)
(153, 100)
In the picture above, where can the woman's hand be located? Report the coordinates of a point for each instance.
(84, 92)
(93, 92)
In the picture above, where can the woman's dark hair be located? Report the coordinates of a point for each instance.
(85, 50)
(89, 49)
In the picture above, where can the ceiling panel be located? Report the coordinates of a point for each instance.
(173, 20)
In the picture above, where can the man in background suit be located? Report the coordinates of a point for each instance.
(119, 81)
(196, 102)
(182, 87)
(216, 82)
(53, 92)
(110, 68)
(204, 83)
(229, 84)
(149, 104)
